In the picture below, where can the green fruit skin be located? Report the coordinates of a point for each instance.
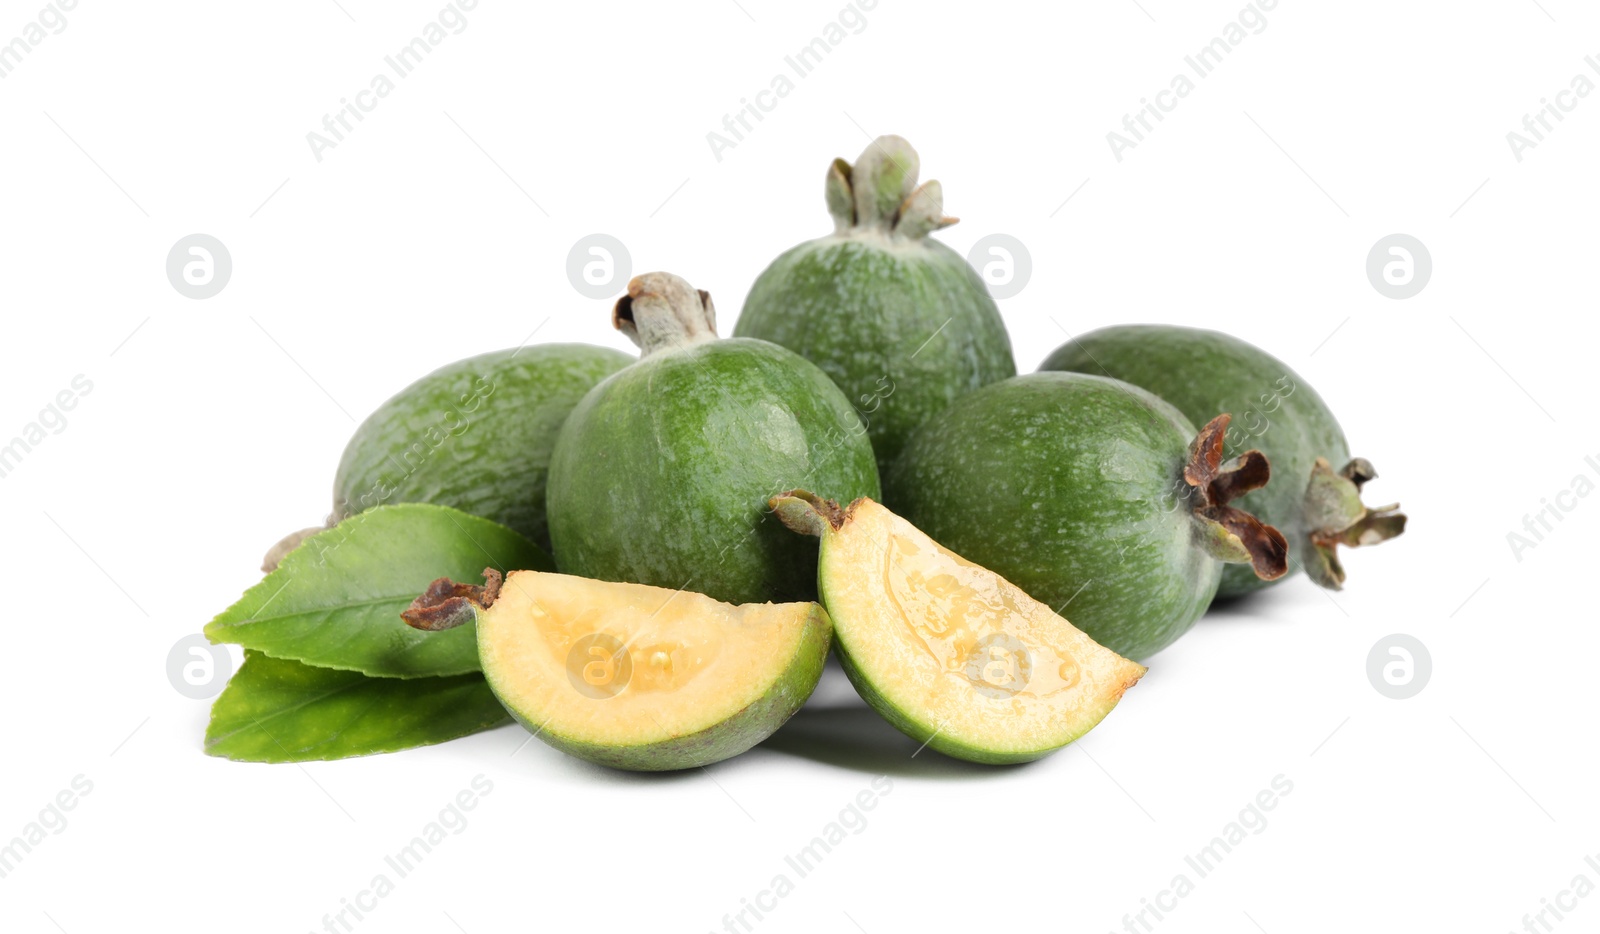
(475, 434)
(723, 741)
(1070, 487)
(866, 310)
(1205, 373)
(662, 474)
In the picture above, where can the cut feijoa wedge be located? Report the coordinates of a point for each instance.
(633, 676)
(951, 653)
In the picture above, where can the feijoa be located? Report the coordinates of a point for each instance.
(954, 655)
(1088, 494)
(632, 676)
(1315, 494)
(475, 434)
(661, 475)
(899, 320)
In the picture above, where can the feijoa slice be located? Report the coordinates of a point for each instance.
(633, 676)
(951, 653)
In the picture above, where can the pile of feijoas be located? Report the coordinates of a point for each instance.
(645, 561)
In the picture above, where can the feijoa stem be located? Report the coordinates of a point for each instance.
(1230, 533)
(447, 604)
(808, 513)
(880, 193)
(662, 311)
(1334, 515)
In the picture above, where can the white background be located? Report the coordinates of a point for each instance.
(440, 228)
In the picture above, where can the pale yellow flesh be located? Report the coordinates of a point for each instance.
(959, 647)
(695, 662)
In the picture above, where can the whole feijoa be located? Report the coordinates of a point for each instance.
(1315, 494)
(662, 473)
(1089, 494)
(899, 320)
(475, 434)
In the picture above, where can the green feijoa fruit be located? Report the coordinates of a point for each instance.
(1088, 494)
(277, 710)
(335, 601)
(1315, 494)
(475, 435)
(954, 655)
(661, 475)
(632, 676)
(899, 320)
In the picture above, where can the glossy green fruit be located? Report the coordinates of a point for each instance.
(953, 654)
(630, 676)
(1315, 494)
(1088, 494)
(662, 473)
(900, 321)
(475, 434)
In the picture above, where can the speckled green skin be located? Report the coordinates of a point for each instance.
(866, 310)
(662, 473)
(1070, 487)
(476, 435)
(1205, 373)
(723, 741)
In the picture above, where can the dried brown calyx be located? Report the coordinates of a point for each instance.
(447, 604)
(1334, 515)
(808, 513)
(1231, 533)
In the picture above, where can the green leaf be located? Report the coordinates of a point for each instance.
(335, 601)
(275, 710)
